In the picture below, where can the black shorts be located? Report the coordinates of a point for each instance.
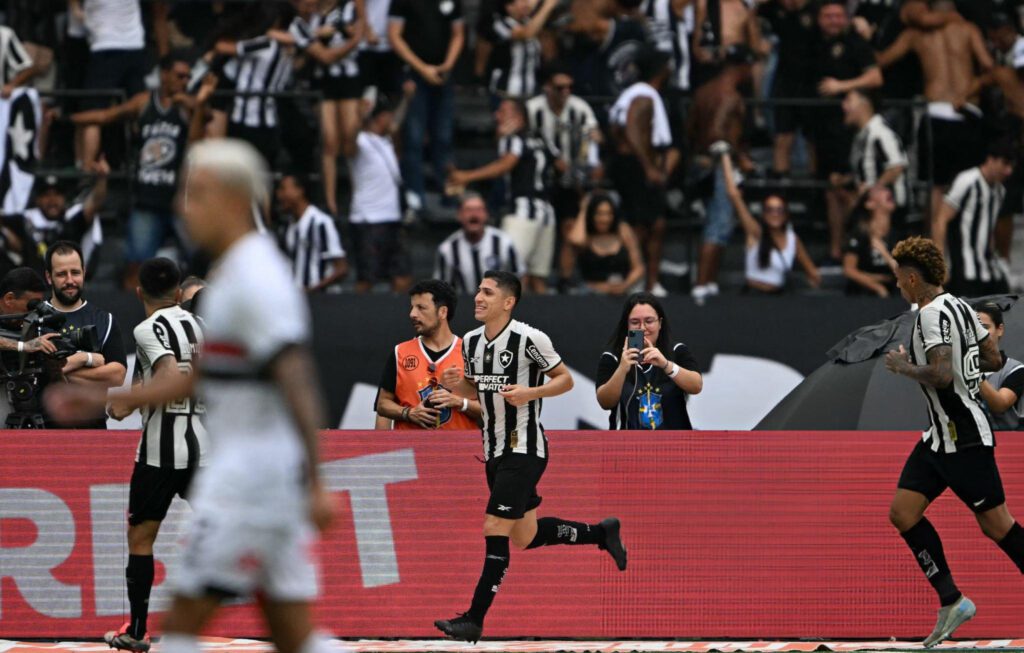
(788, 118)
(382, 70)
(953, 146)
(971, 474)
(341, 88)
(641, 204)
(565, 202)
(266, 140)
(379, 252)
(832, 152)
(152, 490)
(512, 480)
(114, 69)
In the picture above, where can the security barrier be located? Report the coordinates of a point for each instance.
(763, 535)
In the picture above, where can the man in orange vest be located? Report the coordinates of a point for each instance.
(410, 395)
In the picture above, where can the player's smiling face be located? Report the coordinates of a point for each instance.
(490, 302)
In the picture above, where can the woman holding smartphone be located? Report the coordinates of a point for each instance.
(645, 378)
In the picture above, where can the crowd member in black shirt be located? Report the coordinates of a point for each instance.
(620, 38)
(793, 22)
(428, 36)
(106, 368)
(608, 253)
(647, 389)
(844, 62)
(867, 264)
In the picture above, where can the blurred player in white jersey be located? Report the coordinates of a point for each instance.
(259, 501)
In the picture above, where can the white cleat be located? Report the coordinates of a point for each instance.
(951, 617)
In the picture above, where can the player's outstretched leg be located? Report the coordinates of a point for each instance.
(469, 625)
(139, 574)
(552, 530)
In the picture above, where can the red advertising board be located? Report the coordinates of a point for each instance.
(749, 535)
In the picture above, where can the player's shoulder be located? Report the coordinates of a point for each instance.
(526, 330)
(145, 327)
(479, 331)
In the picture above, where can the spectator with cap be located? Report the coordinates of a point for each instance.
(377, 193)
(27, 236)
(163, 119)
(1002, 390)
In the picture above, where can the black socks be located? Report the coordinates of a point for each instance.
(552, 530)
(1013, 545)
(139, 574)
(924, 541)
(495, 566)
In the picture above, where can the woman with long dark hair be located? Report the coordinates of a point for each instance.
(646, 389)
(608, 253)
(772, 246)
(867, 264)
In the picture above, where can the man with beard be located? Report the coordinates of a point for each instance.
(106, 368)
(410, 395)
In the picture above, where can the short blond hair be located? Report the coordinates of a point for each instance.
(923, 255)
(236, 163)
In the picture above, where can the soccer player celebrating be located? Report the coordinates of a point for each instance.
(257, 501)
(506, 361)
(949, 351)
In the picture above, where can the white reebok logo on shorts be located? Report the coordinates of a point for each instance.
(502, 508)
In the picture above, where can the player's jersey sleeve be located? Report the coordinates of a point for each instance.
(961, 185)
(980, 332)
(540, 350)
(936, 329)
(152, 341)
(467, 359)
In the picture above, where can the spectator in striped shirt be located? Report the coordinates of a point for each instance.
(525, 160)
(311, 239)
(477, 247)
(963, 227)
(877, 158)
(517, 51)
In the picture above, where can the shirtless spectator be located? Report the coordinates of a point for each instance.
(643, 158)
(950, 56)
(716, 126)
(739, 30)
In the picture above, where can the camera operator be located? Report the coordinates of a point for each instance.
(106, 368)
(18, 288)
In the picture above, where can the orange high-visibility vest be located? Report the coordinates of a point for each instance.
(417, 375)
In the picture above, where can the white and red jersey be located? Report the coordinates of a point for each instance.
(252, 312)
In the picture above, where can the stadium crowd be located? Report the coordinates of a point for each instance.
(600, 146)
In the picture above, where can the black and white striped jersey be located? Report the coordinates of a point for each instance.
(529, 180)
(462, 263)
(572, 132)
(671, 33)
(262, 66)
(313, 245)
(969, 236)
(958, 420)
(341, 19)
(515, 61)
(877, 148)
(173, 435)
(519, 355)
